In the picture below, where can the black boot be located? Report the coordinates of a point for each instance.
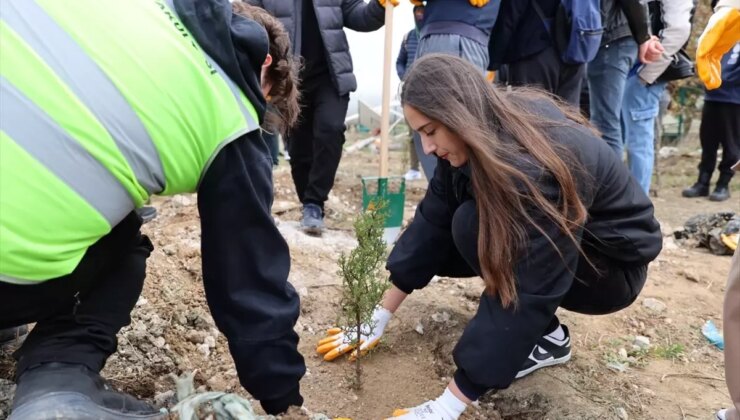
(722, 190)
(71, 391)
(701, 188)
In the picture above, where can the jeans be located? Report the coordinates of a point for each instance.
(640, 107)
(607, 75)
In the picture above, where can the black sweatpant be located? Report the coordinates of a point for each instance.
(604, 290)
(546, 71)
(315, 144)
(720, 125)
(77, 316)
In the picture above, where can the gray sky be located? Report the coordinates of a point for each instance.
(367, 56)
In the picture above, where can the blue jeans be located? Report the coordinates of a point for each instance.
(640, 107)
(607, 75)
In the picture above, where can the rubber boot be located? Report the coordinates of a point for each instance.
(722, 190)
(71, 391)
(701, 188)
(13, 335)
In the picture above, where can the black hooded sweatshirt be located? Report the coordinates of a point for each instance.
(245, 259)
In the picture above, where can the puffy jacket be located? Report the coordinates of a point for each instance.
(459, 17)
(622, 18)
(671, 21)
(333, 16)
(519, 31)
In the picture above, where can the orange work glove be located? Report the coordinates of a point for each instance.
(721, 33)
(417, 2)
(393, 2)
(343, 340)
(479, 3)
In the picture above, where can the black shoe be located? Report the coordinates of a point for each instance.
(701, 188)
(547, 352)
(313, 219)
(71, 391)
(12, 335)
(721, 193)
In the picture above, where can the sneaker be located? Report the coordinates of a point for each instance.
(548, 351)
(721, 414)
(313, 219)
(412, 175)
(71, 391)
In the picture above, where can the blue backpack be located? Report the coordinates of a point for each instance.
(576, 29)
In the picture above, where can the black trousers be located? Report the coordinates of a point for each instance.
(607, 289)
(315, 144)
(720, 125)
(546, 71)
(78, 316)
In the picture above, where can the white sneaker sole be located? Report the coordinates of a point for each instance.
(546, 363)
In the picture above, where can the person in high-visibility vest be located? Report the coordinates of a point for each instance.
(104, 104)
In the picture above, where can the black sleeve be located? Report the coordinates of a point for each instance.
(401, 60)
(510, 14)
(637, 17)
(498, 340)
(245, 270)
(427, 242)
(363, 17)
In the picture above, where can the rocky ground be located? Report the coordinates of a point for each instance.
(668, 372)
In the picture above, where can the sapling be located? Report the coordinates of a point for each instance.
(362, 280)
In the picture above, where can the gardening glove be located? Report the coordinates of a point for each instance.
(446, 407)
(393, 2)
(343, 340)
(417, 2)
(479, 3)
(721, 33)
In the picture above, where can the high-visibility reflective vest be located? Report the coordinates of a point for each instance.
(103, 103)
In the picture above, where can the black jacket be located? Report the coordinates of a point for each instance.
(245, 259)
(620, 226)
(622, 18)
(333, 16)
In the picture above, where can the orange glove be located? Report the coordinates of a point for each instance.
(479, 3)
(393, 2)
(343, 340)
(417, 2)
(721, 33)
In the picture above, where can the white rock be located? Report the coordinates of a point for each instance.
(159, 342)
(209, 341)
(181, 201)
(142, 301)
(419, 328)
(441, 316)
(623, 353)
(654, 305)
(667, 151)
(619, 367)
(622, 413)
(642, 342)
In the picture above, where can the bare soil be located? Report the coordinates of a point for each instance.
(681, 376)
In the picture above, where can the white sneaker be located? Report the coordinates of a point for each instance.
(721, 414)
(412, 175)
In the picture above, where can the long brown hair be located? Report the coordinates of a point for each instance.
(502, 134)
(283, 72)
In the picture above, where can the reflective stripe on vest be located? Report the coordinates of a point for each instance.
(104, 103)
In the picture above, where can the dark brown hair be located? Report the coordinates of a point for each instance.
(502, 133)
(283, 72)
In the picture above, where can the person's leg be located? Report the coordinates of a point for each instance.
(607, 74)
(571, 80)
(413, 156)
(602, 286)
(538, 70)
(728, 116)
(639, 109)
(330, 110)
(709, 139)
(300, 144)
(731, 327)
(272, 141)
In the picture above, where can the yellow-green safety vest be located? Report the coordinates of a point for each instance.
(103, 103)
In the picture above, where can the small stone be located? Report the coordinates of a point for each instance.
(617, 366)
(419, 328)
(622, 413)
(142, 301)
(654, 305)
(441, 317)
(691, 276)
(159, 342)
(181, 201)
(623, 354)
(169, 250)
(642, 342)
(204, 349)
(460, 285)
(210, 341)
(196, 337)
(648, 391)
(162, 398)
(303, 292)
